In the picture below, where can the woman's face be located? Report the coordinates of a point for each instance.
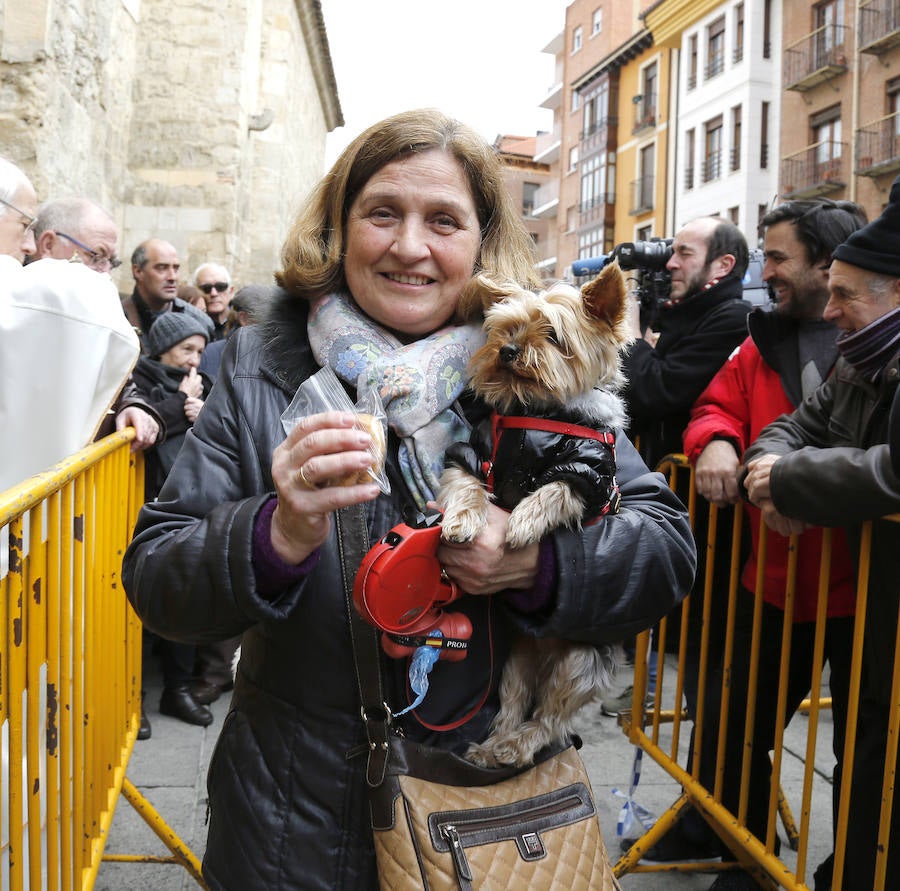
(185, 354)
(412, 241)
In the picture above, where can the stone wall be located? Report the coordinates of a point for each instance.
(199, 121)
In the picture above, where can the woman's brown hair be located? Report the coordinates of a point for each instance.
(312, 255)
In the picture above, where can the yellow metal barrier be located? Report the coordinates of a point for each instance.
(70, 669)
(644, 728)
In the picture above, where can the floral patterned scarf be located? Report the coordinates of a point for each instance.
(418, 382)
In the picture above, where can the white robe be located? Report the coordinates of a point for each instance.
(66, 350)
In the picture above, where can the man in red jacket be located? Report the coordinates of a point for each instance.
(789, 352)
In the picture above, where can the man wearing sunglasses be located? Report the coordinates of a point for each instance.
(215, 283)
(76, 228)
(155, 267)
(18, 206)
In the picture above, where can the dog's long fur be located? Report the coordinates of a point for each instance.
(558, 349)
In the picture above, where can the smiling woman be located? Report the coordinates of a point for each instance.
(241, 540)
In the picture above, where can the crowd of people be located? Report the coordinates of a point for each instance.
(151, 369)
(788, 408)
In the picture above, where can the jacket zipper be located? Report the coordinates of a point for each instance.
(454, 833)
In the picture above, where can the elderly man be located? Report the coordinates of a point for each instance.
(18, 206)
(828, 463)
(78, 229)
(155, 267)
(789, 352)
(214, 281)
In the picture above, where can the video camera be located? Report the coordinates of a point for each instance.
(652, 281)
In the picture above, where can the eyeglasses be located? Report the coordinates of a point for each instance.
(221, 287)
(32, 221)
(97, 261)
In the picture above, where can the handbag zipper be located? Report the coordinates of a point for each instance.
(454, 832)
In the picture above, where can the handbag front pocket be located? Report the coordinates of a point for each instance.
(522, 822)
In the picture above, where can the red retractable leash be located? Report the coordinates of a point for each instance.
(401, 589)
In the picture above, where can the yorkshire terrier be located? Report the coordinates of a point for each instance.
(550, 370)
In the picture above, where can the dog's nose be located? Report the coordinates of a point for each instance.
(508, 353)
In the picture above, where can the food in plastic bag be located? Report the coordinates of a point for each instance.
(323, 392)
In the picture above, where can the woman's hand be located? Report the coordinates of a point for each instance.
(192, 406)
(320, 448)
(192, 384)
(486, 565)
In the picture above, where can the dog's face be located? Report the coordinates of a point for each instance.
(545, 349)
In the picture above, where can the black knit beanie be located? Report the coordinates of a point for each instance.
(876, 246)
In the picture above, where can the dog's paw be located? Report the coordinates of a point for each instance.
(481, 756)
(462, 525)
(520, 530)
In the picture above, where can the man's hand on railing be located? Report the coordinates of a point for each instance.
(758, 485)
(716, 473)
(145, 427)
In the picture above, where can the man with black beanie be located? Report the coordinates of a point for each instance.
(829, 464)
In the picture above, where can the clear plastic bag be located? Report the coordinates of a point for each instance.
(323, 392)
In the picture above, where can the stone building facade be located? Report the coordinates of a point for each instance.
(199, 121)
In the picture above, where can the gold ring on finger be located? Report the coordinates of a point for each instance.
(302, 476)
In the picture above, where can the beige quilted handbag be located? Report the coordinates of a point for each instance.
(536, 829)
(442, 823)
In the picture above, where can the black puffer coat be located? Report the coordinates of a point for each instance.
(287, 795)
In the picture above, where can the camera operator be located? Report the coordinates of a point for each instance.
(701, 321)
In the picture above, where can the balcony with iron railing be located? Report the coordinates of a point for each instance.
(879, 26)
(715, 65)
(734, 159)
(819, 169)
(688, 178)
(644, 112)
(737, 54)
(878, 146)
(642, 194)
(711, 168)
(816, 58)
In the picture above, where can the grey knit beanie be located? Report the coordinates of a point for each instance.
(172, 327)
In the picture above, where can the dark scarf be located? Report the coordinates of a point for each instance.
(871, 348)
(816, 352)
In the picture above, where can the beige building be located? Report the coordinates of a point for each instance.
(840, 123)
(203, 124)
(601, 137)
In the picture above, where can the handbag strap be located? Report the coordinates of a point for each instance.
(353, 543)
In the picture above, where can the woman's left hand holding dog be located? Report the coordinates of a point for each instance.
(487, 564)
(320, 449)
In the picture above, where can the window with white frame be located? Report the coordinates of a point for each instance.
(573, 158)
(576, 39)
(597, 21)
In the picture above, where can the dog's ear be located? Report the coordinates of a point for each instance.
(479, 294)
(606, 297)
